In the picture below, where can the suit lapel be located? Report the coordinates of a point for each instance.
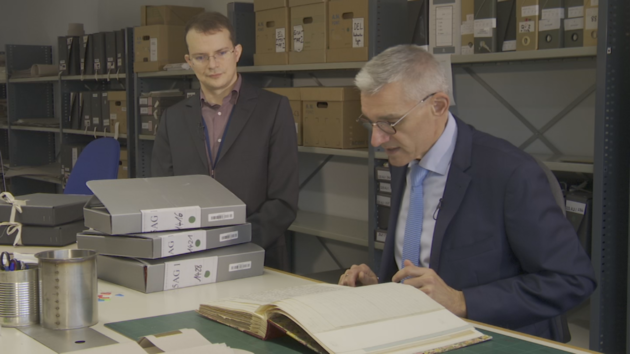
(454, 191)
(241, 112)
(192, 118)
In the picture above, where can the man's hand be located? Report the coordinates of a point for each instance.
(431, 284)
(358, 275)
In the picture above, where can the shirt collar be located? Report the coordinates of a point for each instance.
(233, 96)
(439, 157)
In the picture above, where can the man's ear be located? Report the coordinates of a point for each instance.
(187, 58)
(441, 103)
(238, 50)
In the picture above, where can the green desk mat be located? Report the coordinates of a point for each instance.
(218, 333)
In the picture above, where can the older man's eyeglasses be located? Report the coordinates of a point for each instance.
(204, 59)
(387, 127)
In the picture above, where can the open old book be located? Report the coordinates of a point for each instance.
(384, 318)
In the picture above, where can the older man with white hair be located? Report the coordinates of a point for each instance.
(473, 220)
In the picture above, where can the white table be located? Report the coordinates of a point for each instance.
(134, 305)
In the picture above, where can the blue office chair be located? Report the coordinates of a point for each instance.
(98, 160)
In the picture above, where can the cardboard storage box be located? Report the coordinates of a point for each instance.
(199, 268)
(148, 124)
(272, 36)
(164, 244)
(330, 118)
(123, 167)
(168, 15)
(467, 27)
(527, 12)
(156, 46)
(60, 235)
(309, 33)
(117, 111)
(590, 22)
(135, 205)
(348, 25)
(261, 5)
(46, 209)
(295, 101)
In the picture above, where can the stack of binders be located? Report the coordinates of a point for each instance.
(157, 234)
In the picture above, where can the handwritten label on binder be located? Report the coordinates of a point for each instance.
(171, 219)
(358, 33)
(281, 40)
(298, 38)
(183, 242)
(154, 49)
(190, 272)
(591, 19)
(575, 207)
(526, 27)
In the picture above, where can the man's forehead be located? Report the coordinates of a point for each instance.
(218, 39)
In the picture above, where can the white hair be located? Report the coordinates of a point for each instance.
(418, 71)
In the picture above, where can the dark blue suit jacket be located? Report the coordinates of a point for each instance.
(501, 238)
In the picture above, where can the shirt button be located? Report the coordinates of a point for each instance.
(219, 140)
(219, 113)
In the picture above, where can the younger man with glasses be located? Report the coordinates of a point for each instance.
(241, 135)
(473, 222)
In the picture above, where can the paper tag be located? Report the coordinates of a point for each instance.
(150, 125)
(240, 266)
(590, 22)
(145, 126)
(550, 14)
(526, 27)
(106, 122)
(298, 38)
(576, 11)
(111, 64)
(113, 116)
(190, 272)
(228, 236)
(358, 33)
(470, 18)
(385, 187)
(82, 64)
(221, 216)
(154, 49)
(95, 120)
(171, 219)
(281, 43)
(443, 26)
(144, 110)
(383, 175)
(483, 28)
(124, 109)
(183, 242)
(467, 50)
(467, 27)
(575, 207)
(383, 200)
(381, 236)
(509, 46)
(594, 2)
(573, 24)
(119, 62)
(144, 101)
(549, 24)
(528, 11)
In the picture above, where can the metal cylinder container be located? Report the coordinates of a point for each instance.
(68, 288)
(19, 298)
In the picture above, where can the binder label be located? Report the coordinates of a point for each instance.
(591, 19)
(549, 24)
(221, 216)
(154, 49)
(575, 207)
(573, 24)
(190, 272)
(383, 200)
(383, 175)
(528, 11)
(171, 219)
(576, 11)
(483, 28)
(298, 38)
(240, 266)
(281, 36)
(183, 242)
(444, 26)
(358, 33)
(552, 14)
(527, 27)
(228, 236)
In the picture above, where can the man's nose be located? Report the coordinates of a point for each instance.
(379, 137)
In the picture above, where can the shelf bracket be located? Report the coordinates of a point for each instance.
(321, 165)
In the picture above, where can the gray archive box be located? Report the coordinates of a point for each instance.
(127, 206)
(574, 23)
(99, 53)
(97, 111)
(121, 58)
(550, 24)
(155, 245)
(105, 110)
(485, 26)
(506, 25)
(243, 19)
(86, 122)
(46, 209)
(60, 235)
(150, 275)
(110, 51)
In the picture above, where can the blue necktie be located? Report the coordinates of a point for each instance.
(413, 229)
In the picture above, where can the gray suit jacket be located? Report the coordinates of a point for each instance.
(258, 160)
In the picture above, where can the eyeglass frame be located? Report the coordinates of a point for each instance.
(364, 119)
(213, 56)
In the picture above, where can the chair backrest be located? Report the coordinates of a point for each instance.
(98, 160)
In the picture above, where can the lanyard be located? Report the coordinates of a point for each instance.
(213, 164)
